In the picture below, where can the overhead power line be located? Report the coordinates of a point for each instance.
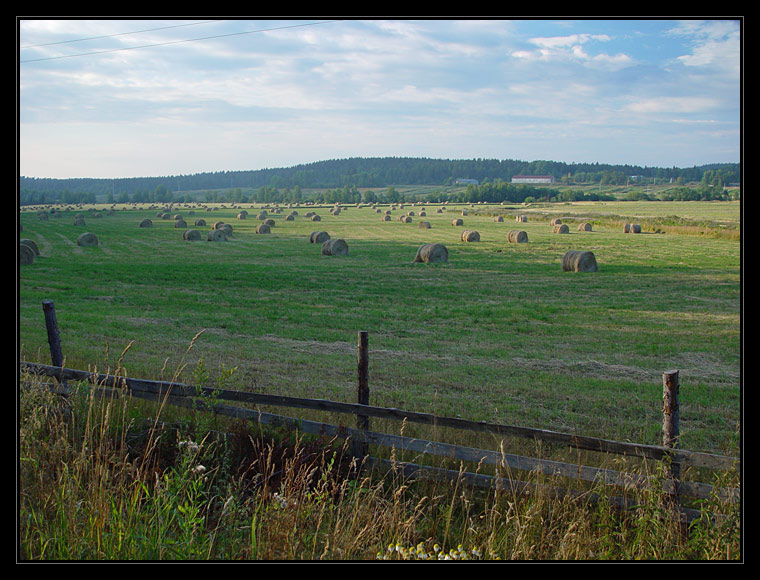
(176, 41)
(114, 35)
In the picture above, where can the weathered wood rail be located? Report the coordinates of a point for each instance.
(361, 437)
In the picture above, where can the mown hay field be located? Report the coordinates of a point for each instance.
(499, 332)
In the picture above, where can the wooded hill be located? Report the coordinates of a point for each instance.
(366, 173)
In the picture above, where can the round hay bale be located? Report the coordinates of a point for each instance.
(423, 214)
(180, 224)
(263, 228)
(242, 215)
(335, 247)
(464, 212)
(517, 237)
(405, 219)
(290, 217)
(561, 229)
(177, 217)
(579, 261)
(425, 225)
(146, 223)
(218, 225)
(432, 253)
(386, 218)
(521, 218)
(227, 229)
(26, 255)
(31, 244)
(316, 218)
(269, 222)
(191, 235)
(632, 229)
(498, 219)
(555, 222)
(87, 239)
(319, 237)
(457, 222)
(216, 236)
(200, 223)
(79, 221)
(584, 227)
(469, 236)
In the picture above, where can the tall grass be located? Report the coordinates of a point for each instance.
(107, 478)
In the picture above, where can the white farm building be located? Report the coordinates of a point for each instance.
(532, 179)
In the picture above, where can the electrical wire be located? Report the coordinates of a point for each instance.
(176, 42)
(115, 35)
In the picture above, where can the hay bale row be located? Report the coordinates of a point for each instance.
(216, 236)
(30, 244)
(517, 237)
(469, 236)
(579, 261)
(335, 247)
(26, 255)
(432, 253)
(632, 229)
(318, 237)
(87, 239)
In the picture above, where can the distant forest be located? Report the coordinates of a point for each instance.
(347, 176)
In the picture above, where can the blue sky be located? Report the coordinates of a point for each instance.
(132, 98)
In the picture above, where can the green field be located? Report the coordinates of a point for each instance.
(499, 333)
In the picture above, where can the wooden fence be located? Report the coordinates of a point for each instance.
(361, 436)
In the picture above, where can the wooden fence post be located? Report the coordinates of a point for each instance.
(360, 448)
(54, 337)
(671, 418)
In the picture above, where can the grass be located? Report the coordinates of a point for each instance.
(498, 333)
(105, 478)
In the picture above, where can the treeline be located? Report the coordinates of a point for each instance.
(355, 174)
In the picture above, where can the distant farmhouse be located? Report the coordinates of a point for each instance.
(532, 179)
(467, 181)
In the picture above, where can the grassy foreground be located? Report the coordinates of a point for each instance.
(499, 333)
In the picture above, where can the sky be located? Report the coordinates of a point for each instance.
(110, 98)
